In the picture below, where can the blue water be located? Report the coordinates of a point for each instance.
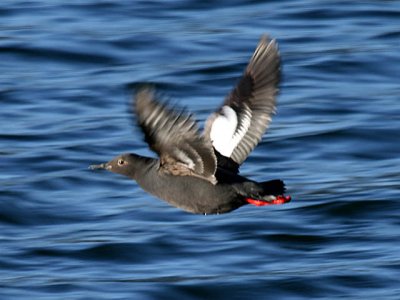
(66, 78)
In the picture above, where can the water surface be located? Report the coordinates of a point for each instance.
(66, 80)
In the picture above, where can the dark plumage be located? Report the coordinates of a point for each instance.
(200, 172)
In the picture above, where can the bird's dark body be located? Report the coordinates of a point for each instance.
(194, 194)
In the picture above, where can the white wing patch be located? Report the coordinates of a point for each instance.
(243, 127)
(225, 134)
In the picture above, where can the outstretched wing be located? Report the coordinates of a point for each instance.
(237, 127)
(174, 136)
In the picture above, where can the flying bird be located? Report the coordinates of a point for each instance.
(199, 171)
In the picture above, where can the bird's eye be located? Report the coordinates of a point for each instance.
(121, 162)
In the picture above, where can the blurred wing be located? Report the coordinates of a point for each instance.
(237, 127)
(174, 136)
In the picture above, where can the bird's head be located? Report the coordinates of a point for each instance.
(123, 164)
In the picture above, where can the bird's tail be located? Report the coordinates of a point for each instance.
(272, 193)
(273, 187)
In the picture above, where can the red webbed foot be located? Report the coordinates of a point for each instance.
(281, 199)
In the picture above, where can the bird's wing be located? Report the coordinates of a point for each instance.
(174, 136)
(238, 125)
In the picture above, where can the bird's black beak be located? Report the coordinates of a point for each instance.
(100, 166)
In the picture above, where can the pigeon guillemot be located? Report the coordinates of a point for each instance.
(199, 172)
